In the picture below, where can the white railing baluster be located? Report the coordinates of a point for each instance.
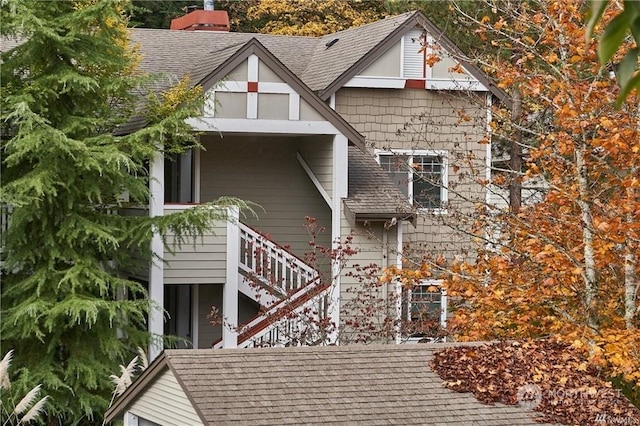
(275, 266)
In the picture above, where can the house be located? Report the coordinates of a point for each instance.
(377, 384)
(301, 126)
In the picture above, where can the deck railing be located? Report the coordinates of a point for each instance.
(300, 319)
(270, 265)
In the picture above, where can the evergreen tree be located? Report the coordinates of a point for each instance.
(68, 85)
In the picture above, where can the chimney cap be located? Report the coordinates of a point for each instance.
(203, 20)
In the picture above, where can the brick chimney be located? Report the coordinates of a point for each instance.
(203, 20)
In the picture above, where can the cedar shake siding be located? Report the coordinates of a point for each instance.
(454, 122)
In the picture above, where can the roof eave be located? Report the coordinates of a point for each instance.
(368, 58)
(417, 18)
(132, 392)
(254, 46)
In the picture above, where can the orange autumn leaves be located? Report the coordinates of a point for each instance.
(568, 265)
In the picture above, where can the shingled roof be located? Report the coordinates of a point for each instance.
(372, 195)
(323, 67)
(381, 384)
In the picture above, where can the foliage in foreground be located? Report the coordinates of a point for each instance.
(568, 265)
(548, 376)
(27, 408)
(67, 308)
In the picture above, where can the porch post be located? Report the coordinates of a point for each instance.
(398, 285)
(340, 188)
(156, 268)
(230, 290)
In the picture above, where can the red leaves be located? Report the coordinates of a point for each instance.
(548, 376)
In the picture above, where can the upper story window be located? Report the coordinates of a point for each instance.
(421, 175)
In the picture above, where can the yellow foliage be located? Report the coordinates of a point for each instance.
(312, 17)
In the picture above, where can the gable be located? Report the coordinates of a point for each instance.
(164, 402)
(253, 90)
(417, 60)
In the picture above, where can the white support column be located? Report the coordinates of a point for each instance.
(252, 76)
(196, 176)
(339, 191)
(488, 160)
(294, 106)
(156, 269)
(398, 284)
(230, 290)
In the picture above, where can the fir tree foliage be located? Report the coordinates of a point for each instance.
(67, 86)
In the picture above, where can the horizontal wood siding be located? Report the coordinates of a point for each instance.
(369, 241)
(165, 403)
(200, 261)
(265, 171)
(454, 122)
(318, 154)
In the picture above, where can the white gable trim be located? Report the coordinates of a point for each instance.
(430, 84)
(376, 82)
(446, 84)
(240, 125)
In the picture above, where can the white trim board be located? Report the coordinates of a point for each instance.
(240, 125)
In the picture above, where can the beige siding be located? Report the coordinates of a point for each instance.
(318, 154)
(266, 171)
(266, 74)
(451, 121)
(374, 248)
(309, 113)
(442, 70)
(387, 65)
(239, 73)
(202, 261)
(165, 403)
(273, 106)
(230, 105)
(208, 296)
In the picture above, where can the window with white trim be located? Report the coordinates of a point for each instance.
(424, 309)
(421, 175)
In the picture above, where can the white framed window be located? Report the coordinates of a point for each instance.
(427, 299)
(423, 312)
(420, 174)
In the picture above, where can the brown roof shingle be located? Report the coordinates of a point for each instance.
(380, 384)
(372, 195)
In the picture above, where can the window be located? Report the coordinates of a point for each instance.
(420, 175)
(424, 310)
